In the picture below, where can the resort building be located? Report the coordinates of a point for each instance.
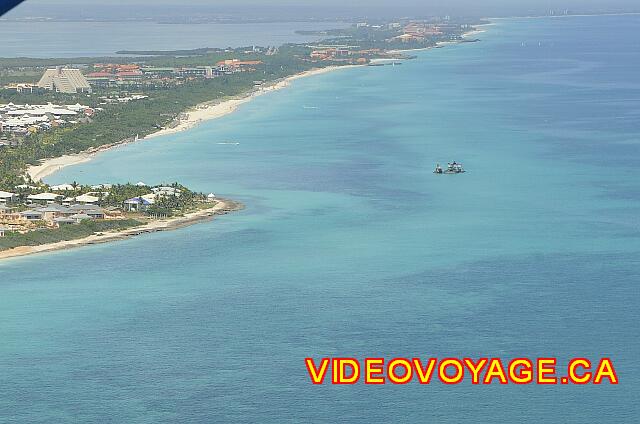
(166, 191)
(8, 213)
(32, 215)
(22, 88)
(64, 80)
(79, 217)
(64, 221)
(23, 119)
(137, 204)
(54, 215)
(159, 72)
(49, 213)
(87, 199)
(6, 197)
(44, 198)
(63, 187)
(129, 75)
(95, 213)
(237, 63)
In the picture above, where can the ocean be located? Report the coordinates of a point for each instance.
(55, 39)
(350, 246)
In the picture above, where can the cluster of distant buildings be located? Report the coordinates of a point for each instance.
(73, 81)
(19, 120)
(60, 205)
(418, 31)
(422, 31)
(22, 119)
(59, 79)
(114, 75)
(352, 54)
(64, 80)
(49, 210)
(344, 53)
(414, 31)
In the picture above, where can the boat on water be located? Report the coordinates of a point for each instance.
(452, 168)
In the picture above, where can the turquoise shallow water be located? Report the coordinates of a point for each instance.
(350, 246)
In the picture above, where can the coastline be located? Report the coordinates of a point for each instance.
(205, 112)
(479, 29)
(192, 118)
(187, 120)
(223, 207)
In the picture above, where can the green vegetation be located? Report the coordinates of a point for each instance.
(122, 121)
(66, 232)
(167, 205)
(118, 122)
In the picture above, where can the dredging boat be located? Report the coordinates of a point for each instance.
(452, 168)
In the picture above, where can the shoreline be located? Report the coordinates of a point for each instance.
(223, 207)
(479, 29)
(201, 113)
(218, 108)
(206, 111)
(186, 120)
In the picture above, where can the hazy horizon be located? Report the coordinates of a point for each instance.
(321, 9)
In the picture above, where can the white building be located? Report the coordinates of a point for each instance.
(87, 199)
(166, 191)
(64, 80)
(6, 197)
(63, 187)
(16, 118)
(44, 197)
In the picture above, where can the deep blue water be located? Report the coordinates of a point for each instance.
(350, 246)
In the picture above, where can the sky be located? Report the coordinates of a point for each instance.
(345, 7)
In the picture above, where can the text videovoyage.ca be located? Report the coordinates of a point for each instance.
(459, 370)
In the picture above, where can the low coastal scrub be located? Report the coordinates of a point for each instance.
(64, 233)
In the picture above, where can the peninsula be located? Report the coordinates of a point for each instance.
(54, 114)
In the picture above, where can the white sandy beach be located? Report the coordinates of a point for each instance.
(192, 118)
(189, 119)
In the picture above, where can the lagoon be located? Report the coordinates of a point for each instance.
(54, 39)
